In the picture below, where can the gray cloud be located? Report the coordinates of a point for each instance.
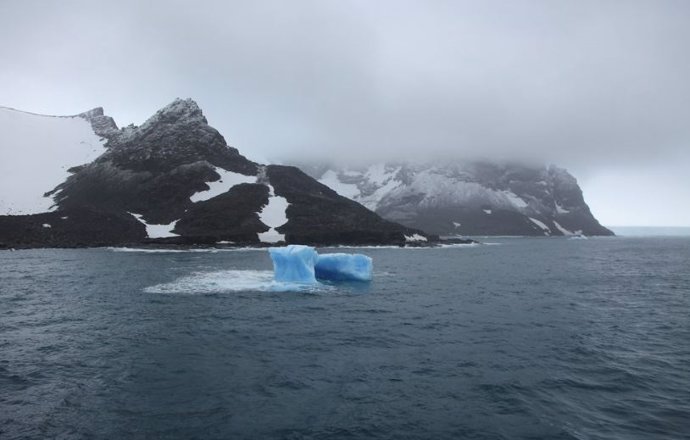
(585, 84)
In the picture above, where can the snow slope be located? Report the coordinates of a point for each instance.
(35, 153)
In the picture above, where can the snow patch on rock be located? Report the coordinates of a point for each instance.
(157, 230)
(273, 215)
(561, 210)
(517, 201)
(227, 180)
(562, 229)
(545, 228)
(415, 238)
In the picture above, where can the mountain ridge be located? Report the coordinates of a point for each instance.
(468, 197)
(177, 176)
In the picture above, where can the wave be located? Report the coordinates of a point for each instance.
(173, 251)
(408, 248)
(458, 245)
(243, 249)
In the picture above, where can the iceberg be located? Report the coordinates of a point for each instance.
(303, 265)
(344, 267)
(294, 263)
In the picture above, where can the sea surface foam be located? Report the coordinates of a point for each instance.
(232, 281)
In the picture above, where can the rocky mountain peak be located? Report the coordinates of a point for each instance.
(179, 111)
(104, 126)
(94, 112)
(176, 135)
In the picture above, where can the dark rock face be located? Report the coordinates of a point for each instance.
(156, 172)
(239, 221)
(176, 135)
(318, 215)
(70, 228)
(469, 198)
(102, 125)
(154, 169)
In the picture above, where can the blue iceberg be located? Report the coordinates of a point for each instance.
(303, 265)
(344, 267)
(294, 263)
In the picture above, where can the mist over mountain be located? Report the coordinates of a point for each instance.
(599, 88)
(468, 197)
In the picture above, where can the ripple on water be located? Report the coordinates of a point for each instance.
(537, 339)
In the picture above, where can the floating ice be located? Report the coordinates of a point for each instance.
(294, 263)
(302, 264)
(344, 267)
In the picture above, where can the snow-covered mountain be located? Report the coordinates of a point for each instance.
(80, 180)
(36, 154)
(468, 198)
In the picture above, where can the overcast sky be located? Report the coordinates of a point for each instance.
(601, 88)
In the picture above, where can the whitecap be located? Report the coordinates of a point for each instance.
(458, 245)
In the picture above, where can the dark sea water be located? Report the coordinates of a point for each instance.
(529, 338)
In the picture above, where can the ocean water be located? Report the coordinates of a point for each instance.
(651, 231)
(521, 338)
